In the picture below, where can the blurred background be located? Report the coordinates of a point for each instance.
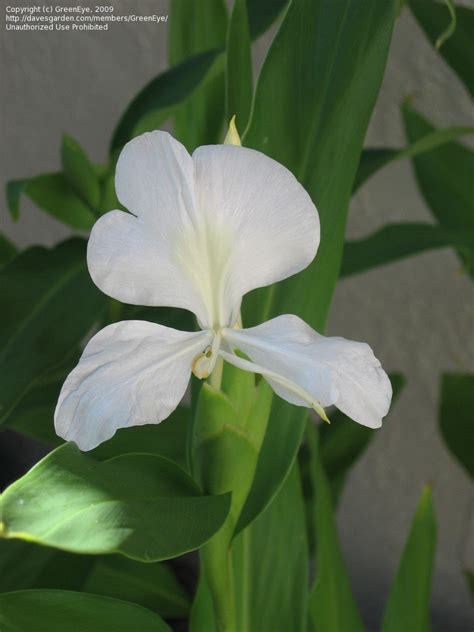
(416, 314)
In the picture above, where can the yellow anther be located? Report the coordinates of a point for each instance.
(203, 364)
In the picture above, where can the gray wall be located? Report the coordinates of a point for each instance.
(415, 314)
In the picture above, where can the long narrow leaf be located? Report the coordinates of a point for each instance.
(310, 112)
(444, 176)
(197, 27)
(455, 417)
(239, 67)
(166, 92)
(397, 241)
(457, 50)
(408, 603)
(372, 160)
(331, 603)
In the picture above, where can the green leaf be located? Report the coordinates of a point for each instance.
(79, 171)
(165, 92)
(33, 414)
(167, 439)
(202, 611)
(311, 109)
(331, 602)
(26, 565)
(455, 417)
(408, 602)
(7, 250)
(262, 14)
(372, 160)
(140, 505)
(239, 83)
(270, 560)
(151, 585)
(53, 193)
(48, 304)
(444, 176)
(197, 27)
(58, 610)
(13, 191)
(469, 575)
(343, 441)
(397, 241)
(434, 17)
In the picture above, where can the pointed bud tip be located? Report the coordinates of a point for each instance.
(232, 136)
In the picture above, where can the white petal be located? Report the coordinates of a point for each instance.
(134, 264)
(261, 224)
(131, 373)
(154, 179)
(331, 370)
(136, 258)
(207, 229)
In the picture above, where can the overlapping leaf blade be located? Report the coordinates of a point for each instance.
(48, 303)
(24, 565)
(7, 251)
(270, 559)
(59, 610)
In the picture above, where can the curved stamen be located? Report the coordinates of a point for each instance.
(246, 365)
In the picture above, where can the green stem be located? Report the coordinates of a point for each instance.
(216, 376)
(216, 558)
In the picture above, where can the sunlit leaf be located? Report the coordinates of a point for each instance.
(140, 505)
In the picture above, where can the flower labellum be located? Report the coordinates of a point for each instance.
(202, 231)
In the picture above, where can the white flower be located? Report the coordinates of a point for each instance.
(205, 230)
